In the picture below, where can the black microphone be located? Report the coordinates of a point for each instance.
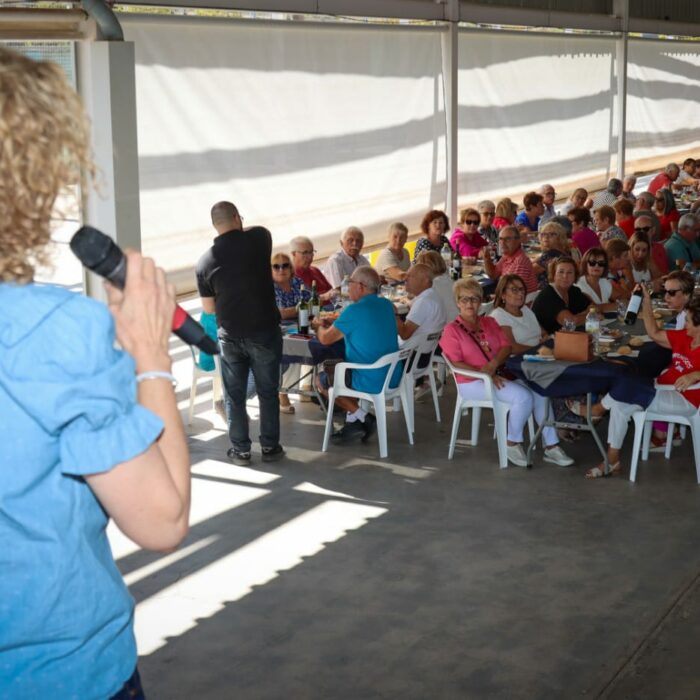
(99, 253)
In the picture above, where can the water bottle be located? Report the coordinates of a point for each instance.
(446, 253)
(593, 322)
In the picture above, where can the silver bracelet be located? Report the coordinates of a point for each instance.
(154, 374)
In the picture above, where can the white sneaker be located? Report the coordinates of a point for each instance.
(556, 455)
(516, 454)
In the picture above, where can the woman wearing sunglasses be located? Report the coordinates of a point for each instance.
(665, 209)
(594, 282)
(682, 373)
(287, 297)
(477, 343)
(466, 238)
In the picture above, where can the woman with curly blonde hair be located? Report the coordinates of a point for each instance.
(87, 431)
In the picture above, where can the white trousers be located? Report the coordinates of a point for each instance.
(518, 396)
(549, 434)
(665, 401)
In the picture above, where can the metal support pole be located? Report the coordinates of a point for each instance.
(450, 71)
(621, 8)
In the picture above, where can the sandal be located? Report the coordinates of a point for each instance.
(287, 409)
(579, 408)
(599, 471)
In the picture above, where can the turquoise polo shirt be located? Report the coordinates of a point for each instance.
(677, 248)
(68, 408)
(369, 328)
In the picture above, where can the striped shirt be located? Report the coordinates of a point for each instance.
(518, 264)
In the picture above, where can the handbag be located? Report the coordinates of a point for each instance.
(572, 346)
(500, 371)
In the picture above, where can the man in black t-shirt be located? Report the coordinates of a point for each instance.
(234, 279)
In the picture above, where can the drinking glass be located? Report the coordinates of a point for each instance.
(569, 325)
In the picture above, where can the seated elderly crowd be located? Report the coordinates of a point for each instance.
(548, 267)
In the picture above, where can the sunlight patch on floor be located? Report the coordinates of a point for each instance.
(177, 608)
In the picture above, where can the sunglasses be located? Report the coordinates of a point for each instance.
(281, 266)
(671, 292)
(642, 229)
(596, 263)
(472, 222)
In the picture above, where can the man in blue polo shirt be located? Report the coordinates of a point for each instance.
(369, 329)
(682, 245)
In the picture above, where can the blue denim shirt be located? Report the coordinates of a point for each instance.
(68, 408)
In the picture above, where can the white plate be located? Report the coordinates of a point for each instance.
(634, 353)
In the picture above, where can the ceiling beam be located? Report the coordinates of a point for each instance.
(16, 24)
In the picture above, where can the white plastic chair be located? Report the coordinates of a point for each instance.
(441, 368)
(529, 298)
(643, 425)
(340, 388)
(426, 347)
(199, 373)
(500, 413)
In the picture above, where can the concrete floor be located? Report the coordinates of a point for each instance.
(340, 575)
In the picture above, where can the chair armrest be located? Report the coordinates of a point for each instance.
(474, 374)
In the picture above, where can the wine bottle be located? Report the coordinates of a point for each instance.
(314, 302)
(456, 265)
(303, 310)
(633, 307)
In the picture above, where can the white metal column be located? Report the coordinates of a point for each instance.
(450, 68)
(107, 84)
(621, 8)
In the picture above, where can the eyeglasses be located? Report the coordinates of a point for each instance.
(546, 235)
(488, 213)
(281, 266)
(642, 229)
(305, 252)
(469, 300)
(516, 290)
(671, 292)
(596, 263)
(549, 194)
(509, 238)
(472, 222)
(362, 284)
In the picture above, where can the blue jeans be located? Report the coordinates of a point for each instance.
(261, 355)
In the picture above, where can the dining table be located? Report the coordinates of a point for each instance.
(628, 377)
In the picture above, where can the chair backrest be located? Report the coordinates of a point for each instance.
(393, 360)
(426, 347)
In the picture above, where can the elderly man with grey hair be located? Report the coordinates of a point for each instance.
(682, 246)
(348, 258)
(609, 195)
(628, 185)
(665, 179)
(645, 202)
(549, 193)
(303, 252)
(369, 329)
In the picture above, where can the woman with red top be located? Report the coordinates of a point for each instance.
(466, 238)
(665, 209)
(506, 211)
(683, 372)
(477, 343)
(624, 216)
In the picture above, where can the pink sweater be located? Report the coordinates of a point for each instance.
(468, 246)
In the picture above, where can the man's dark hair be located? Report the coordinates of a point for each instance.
(223, 213)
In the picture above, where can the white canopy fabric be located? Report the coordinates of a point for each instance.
(312, 129)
